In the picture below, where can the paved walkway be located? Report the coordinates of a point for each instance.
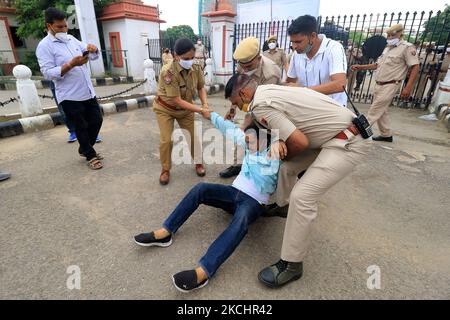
(391, 212)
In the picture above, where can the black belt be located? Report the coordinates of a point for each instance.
(382, 83)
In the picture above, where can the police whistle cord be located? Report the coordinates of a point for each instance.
(11, 100)
(123, 92)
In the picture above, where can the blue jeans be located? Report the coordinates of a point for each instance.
(69, 124)
(245, 211)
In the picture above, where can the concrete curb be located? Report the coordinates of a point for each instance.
(49, 121)
(96, 82)
(214, 88)
(443, 113)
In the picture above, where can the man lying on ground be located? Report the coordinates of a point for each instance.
(244, 199)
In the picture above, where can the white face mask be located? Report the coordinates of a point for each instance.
(62, 36)
(393, 42)
(272, 45)
(186, 64)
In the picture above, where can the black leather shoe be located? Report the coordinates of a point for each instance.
(273, 210)
(281, 273)
(230, 172)
(383, 139)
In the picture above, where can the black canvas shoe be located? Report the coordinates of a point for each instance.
(281, 273)
(148, 240)
(230, 172)
(383, 139)
(186, 281)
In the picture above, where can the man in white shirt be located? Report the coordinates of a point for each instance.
(319, 63)
(63, 59)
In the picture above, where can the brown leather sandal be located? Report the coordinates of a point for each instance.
(95, 164)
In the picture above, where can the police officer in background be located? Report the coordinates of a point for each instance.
(392, 68)
(179, 82)
(166, 57)
(259, 68)
(276, 54)
(200, 54)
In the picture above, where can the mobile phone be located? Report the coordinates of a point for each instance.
(85, 53)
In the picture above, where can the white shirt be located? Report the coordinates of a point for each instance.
(328, 61)
(52, 54)
(247, 186)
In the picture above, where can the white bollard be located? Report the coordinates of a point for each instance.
(442, 93)
(150, 87)
(30, 104)
(209, 75)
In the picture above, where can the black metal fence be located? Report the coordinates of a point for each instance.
(157, 46)
(428, 31)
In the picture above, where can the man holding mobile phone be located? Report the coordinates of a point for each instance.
(62, 59)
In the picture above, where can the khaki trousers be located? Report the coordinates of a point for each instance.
(185, 119)
(335, 161)
(378, 112)
(287, 176)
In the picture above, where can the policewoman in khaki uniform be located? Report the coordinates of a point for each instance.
(259, 68)
(392, 68)
(276, 54)
(301, 119)
(179, 82)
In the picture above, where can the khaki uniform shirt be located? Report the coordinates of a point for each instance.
(200, 51)
(318, 116)
(167, 58)
(267, 73)
(175, 81)
(395, 62)
(278, 56)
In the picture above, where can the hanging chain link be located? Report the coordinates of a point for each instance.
(43, 96)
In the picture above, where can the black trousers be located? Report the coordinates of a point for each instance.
(87, 119)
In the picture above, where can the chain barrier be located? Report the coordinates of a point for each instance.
(123, 92)
(43, 96)
(11, 100)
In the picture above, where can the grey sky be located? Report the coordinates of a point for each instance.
(177, 12)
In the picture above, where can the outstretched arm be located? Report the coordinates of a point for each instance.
(228, 128)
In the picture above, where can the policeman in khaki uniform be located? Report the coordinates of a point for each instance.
(166, 57)
(179, 81)
(276, 54)
(301, 119)
(392, 68)
(259, 68)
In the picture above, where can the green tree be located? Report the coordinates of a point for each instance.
(177, 32)
(30, 14)
(435, 30)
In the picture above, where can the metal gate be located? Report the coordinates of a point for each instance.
(428, 31)
(157, 46)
